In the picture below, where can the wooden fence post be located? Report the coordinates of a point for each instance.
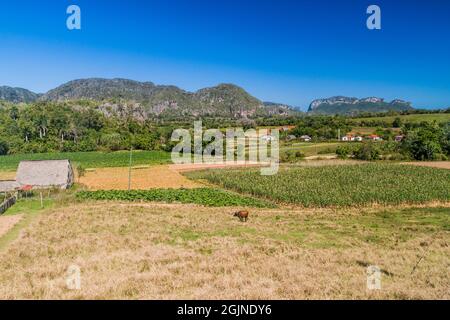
(7, 204)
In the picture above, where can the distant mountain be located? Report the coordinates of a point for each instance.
(346, 105)
(17, 95)
(100, 89)
(276, 105)
(145, 99)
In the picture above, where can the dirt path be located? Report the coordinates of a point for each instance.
(8, 222)
(433, 164)
(201, 166)
(323, 156)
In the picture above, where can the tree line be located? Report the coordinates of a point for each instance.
(65, 127)
(78, 126)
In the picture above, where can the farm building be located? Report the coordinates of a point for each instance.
(375, 137)
(348, 138)
(399, 138)
(305, 138)
(291, 137)
(267, 138)
(45, 174)
(287, 128)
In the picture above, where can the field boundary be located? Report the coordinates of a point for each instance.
(8, 203)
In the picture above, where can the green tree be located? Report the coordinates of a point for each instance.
(424, 142)
(445, 141)
(367, 151)
(4, 148)
(397, 123)
(342, 152)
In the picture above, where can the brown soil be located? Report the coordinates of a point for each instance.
(433, 164)
(141, 179)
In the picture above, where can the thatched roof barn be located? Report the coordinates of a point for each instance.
(45, 174)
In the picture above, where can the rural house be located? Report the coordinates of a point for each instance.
(267, 138)
(399, 138)
(375, 137)
(45, 174)
(348, 138)
(287, 128)
(305, 138)
(291, 137)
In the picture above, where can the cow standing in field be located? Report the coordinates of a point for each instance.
(242, 215)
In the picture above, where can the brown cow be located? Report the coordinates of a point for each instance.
(242, 215)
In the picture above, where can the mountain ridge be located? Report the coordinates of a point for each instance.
(17, 95)
(148, 99)
(352, 105)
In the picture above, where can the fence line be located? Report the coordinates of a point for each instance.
(8, 203)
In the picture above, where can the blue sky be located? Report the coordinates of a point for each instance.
(283, 51)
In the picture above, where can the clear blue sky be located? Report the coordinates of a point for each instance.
(283, 51)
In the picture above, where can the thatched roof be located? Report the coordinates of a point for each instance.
(45, 174)
(8, 185)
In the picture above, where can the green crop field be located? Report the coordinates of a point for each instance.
(311, 149)
(90, 159)
(349, 185)
(204, 196)
(438, 117)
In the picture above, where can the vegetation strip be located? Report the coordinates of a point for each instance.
(203, 196)
(351, 185)
(90, 159)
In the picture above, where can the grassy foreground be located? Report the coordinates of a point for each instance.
(90, 159)
(160, 251)
(203, 196)
(346, 185)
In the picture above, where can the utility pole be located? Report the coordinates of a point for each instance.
(129, 169)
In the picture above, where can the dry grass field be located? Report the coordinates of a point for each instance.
(7, 175)
(368, 130)
(141, 178)
(150, 251)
